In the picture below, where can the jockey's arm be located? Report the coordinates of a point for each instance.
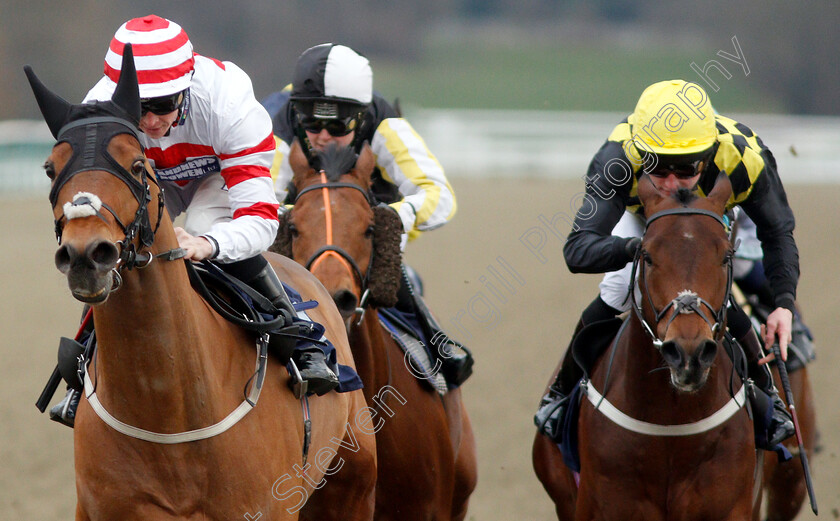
(767, 206)
(405, 161)
(591, 247)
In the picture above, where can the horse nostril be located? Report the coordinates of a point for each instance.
(103, 254)
(64, 257)
(673, 354)
(707, 352)
(346, 301)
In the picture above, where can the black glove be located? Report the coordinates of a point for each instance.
(630, 247)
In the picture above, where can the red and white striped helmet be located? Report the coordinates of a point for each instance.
(163, 55)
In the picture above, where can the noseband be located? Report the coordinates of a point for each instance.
(330, 249)
(687, 301)
(89, 139)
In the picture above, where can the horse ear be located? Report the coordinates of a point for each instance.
(365, 163)
(298, 161)
(648, 193)
(721, 192)
(54, 108)
(127, 94)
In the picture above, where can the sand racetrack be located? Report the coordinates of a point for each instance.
(496, 279)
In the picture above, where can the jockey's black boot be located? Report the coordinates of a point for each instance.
(312, 364)
(456, 361)
(268, 284)
(552, 408)
(781, 424)
(310, 361)
(65, 411)
(549, 416)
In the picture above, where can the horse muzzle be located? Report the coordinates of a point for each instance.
(689, 367)
(90, 273)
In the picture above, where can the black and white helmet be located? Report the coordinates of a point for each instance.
(332, 82)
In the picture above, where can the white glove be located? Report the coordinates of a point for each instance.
(407, 216)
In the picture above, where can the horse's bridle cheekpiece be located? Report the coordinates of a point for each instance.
(686, 301)
(89, 140)
(332, 249)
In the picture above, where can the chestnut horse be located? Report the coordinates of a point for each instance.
(168, 369)
(669, 438)
(425, 448)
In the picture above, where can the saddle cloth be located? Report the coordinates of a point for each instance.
(411, 341)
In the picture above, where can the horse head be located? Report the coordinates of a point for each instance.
(684, 276)
(338, 232)
(96, 157)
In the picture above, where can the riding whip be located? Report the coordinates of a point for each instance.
(789, 397)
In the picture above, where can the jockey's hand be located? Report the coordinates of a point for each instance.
(198, 248)
(779, 328)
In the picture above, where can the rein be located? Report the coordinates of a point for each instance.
(332, 250)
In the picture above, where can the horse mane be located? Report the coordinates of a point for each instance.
(336, 161)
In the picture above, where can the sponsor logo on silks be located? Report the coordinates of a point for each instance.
(192, 169)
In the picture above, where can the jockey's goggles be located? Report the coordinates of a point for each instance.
(335, 127)
(680, 171)
(163, 105)
(682, 166)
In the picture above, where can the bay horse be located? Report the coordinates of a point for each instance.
(668, 439)
(425, 448)
(168, 368)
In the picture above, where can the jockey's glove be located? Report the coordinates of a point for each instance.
(630, 247)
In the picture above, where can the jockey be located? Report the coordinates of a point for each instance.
(331, 100)
(675, 137)
(210, 143)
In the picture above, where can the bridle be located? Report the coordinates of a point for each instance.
(89, 139)
(687, 301)
(332, 250)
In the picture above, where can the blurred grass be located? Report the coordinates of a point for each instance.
(550, 76)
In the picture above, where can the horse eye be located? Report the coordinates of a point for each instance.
(293, 230)
(49, 168)
(138, 167)
(647, 259)
(369, 232)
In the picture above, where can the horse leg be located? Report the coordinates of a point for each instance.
(556, 478)
(785, 482)
(466, 473)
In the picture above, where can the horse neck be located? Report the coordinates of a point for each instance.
(369, 344)
(156, 342)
